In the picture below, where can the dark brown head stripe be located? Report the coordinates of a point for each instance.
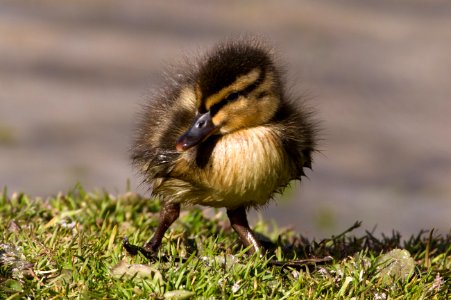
(226, 64)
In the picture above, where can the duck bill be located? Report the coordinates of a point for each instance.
(201, 129)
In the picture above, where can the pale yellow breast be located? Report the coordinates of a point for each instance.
(246, 167)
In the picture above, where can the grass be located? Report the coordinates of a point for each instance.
(69, 246)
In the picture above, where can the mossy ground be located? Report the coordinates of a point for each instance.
(69, 246)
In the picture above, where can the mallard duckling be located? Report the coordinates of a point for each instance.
(224, 133)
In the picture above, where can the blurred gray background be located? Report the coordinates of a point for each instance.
(378, 73)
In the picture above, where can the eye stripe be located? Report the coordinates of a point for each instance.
(247, 90)
(251, 87)
(217, 106)
(232, 96)
(241, 83)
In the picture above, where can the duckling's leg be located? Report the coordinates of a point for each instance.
(238, 220)
(168, 214)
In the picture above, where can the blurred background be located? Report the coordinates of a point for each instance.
(378, 73)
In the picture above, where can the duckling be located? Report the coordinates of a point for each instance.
(223, 133)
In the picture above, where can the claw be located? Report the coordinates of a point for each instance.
(131, 249)
(134, 250)
(148, 254)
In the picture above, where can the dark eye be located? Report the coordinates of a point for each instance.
(232, 97)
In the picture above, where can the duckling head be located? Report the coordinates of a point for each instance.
(236, 87)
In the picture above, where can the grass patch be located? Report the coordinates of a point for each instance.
(69, 246)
